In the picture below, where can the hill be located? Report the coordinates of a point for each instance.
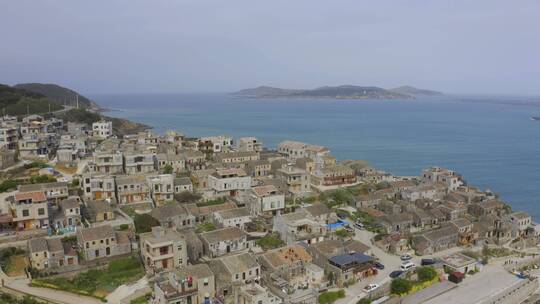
(409, 90)
(18, 101)
(58, 93)
(338, 92)
(120, 126)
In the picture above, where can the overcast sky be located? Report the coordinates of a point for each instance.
(134, 46)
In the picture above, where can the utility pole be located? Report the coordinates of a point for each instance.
(77, 101)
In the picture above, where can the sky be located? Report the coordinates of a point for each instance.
(132, 46)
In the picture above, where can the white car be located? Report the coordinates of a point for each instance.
(371, 287)
(359, 225)
(405, 257)
(407, 266)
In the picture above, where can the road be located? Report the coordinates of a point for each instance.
(481, 286)
(391, 262)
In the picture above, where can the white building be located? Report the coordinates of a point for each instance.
(266, 200)
(229, 181)
(249, 144)
(102, 129)
(237, 217)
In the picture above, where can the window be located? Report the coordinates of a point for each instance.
(237, 276)
(41, 211)
(25, 212)
(87, 245)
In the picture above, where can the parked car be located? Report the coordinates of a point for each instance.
(378, 265)
(359, 225)
(407, 266)
(395, 274)
(371, 287)
(405, 257)
(427, 262)
(349, 228)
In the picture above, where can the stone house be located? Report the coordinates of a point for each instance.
(29, 210)
(139, 162)
(182, 184)
(163, 249)
(132, 189)
(223, 241)
(98, 186)
(193, 284)
(175, 161)
(266, 200)
(98, 211)
(54, 192)
(51, 253)
(102, 241)
(174, 216)
(436, 240)
(234, 270)
(238, 217)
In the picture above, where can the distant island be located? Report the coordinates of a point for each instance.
(536, 118)
(337, 92)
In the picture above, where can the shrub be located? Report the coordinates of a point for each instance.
(426, 273)
(331, 296)
(364, 301)
(167, 169)
(144, 223)
(8, 184)
(217, 201)
(270, 242)
(40, 179)
(400, 286)
(205, 227)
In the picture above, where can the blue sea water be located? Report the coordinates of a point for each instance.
(491, 141)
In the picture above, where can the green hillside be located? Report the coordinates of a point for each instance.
(16, 101)
(120, 126)
(58, 93)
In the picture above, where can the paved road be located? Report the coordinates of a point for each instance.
(51, 295)
(390, 261)
(488, 282)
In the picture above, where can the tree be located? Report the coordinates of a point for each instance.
(426, 273)
(364, 301)
(400, 286)
(144, 223)
(168, 169)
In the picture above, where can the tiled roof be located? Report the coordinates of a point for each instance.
(223, 234)
(34, 196)
(97, 233)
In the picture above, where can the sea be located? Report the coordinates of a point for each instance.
(491, 140)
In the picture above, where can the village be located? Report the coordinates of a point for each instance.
(88, 216)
